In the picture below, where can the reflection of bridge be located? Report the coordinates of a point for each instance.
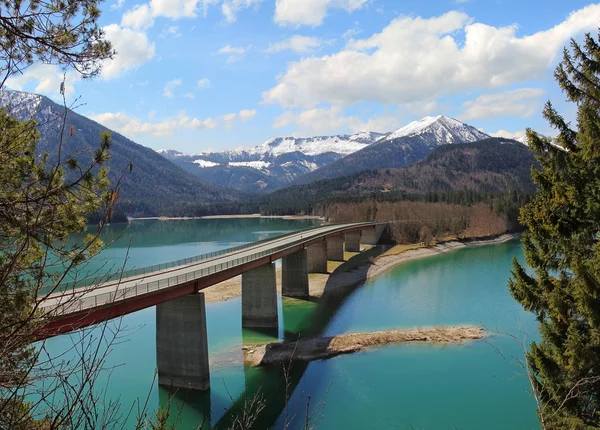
(181, 341)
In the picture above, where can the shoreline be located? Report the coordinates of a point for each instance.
(392, 257)
(356, 270)
(166, 218)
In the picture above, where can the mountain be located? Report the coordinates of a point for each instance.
(403, 147)
(273, 164)
(450, 172)
(155, 186)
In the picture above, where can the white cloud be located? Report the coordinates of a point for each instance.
(231, 7)
(310, 12)
(170, 86)
(522, 102)
(207, 124)
(297, 43)
(140, 17)
(246, 114)
(132, 126)
(508, 134)
(143, 15)
(133, 49)
(190, 96)
(324, 121)
(229, 119)
(204, 83)
(416, 59)
(234, 52)
(171, 30)
(118, 5)
(48, 79)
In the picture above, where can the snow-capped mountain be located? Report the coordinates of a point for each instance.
(439, 130)
(400, 148)
(273, 164)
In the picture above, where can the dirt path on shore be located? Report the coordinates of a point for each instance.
(327, 347)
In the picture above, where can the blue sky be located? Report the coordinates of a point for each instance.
(197, 75)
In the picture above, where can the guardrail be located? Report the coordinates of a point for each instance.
(134, 273)
(77, 305)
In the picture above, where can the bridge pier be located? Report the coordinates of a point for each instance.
(317, 257)
(181, 343)
(352, 240)
(259, 297)
(371, 236)
(294, 274)
(335, 248)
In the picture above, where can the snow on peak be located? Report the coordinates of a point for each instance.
(20, 104)
(442, 128)
(341, 144)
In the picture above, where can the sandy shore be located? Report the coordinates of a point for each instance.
(403, 253)
(357, 268)
(327, 347)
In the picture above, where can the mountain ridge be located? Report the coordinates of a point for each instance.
(273, 164)
(400, 148)
(154, 185)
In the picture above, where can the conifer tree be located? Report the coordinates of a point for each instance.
(561, 246)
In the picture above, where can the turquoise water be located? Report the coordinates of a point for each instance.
(422, 386)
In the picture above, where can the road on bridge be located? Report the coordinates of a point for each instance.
(82, 306)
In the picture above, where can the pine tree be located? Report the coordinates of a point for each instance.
(561, 246)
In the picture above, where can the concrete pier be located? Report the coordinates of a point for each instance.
(352, 240)
(259, 297)
(294, 274)
(317, 257)
(370, 236)
(181, 343)
(335, 248)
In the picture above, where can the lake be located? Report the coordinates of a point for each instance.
(470, 386)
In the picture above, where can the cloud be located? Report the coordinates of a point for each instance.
(47, 78)
(230, 8)
(203, 83)
(118, 5)
(415, 59)
(133, 49)
(133, 126)
(142, 16)
(295, 13)
(508, 134)
(230, 119)
(190, 96)
(324, 121)
(171, 30)
(234, 52)
(522, 102)
(297, 43)
(246, 114)
(170, 86)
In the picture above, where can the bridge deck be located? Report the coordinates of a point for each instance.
(79, 307)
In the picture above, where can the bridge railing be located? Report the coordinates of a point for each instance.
(147, 287)
(121, 275)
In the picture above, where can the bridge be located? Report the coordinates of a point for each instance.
(175, 289)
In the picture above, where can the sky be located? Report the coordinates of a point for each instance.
(213, 75)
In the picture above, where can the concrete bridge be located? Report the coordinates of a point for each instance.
(174, 288)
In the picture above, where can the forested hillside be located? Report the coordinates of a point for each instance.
(463, 174)
(155, 186)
